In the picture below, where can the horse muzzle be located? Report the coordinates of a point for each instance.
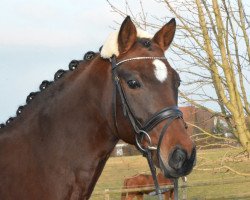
(178, 163)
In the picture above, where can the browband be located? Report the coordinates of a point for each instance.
(136, 58)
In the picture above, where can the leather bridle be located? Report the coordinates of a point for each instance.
(142, 130)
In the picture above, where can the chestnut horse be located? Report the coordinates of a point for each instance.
(145, 180)
(58, 145)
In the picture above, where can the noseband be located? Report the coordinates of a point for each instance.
(142, 130)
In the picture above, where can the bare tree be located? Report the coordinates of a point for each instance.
(212, 43)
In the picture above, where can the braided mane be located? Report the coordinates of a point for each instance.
(45, 84)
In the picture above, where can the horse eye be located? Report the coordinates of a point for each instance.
(133, 84)
(178, 83)
(147, 43)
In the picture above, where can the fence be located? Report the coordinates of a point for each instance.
(214, 177)
(183, 190)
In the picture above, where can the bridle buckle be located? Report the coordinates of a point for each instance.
(141, 134)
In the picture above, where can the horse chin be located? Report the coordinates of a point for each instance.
(171, 173)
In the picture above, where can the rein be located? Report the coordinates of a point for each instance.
(142, 130)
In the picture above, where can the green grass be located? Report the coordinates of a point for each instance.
(211, 170)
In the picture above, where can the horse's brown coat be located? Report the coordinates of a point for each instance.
(57, 148)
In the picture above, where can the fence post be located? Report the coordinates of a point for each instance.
(106, 194)
(184, 188)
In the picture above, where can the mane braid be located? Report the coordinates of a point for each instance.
(45, 84)
(19, 110)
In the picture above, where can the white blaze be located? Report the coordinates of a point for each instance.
(161, 71)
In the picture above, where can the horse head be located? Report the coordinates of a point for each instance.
(145, 111)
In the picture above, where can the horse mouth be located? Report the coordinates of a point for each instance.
(178, 164)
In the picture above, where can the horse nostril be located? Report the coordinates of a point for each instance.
(177, 158)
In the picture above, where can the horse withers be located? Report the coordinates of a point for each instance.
(58, 144)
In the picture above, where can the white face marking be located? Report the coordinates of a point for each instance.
(161, 71)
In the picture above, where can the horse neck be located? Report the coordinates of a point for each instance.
(72, 118)
(92, 119)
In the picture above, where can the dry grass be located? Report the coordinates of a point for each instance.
(225, 172)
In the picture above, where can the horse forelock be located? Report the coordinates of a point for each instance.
(110, 46)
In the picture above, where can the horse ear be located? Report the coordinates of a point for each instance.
(165, 35)
(127, 35)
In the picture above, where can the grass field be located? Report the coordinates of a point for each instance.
(219, 174)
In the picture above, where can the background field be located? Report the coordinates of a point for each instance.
(219, 174)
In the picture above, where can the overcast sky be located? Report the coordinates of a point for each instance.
(39, 37)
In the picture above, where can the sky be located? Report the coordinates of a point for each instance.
(39, 37)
